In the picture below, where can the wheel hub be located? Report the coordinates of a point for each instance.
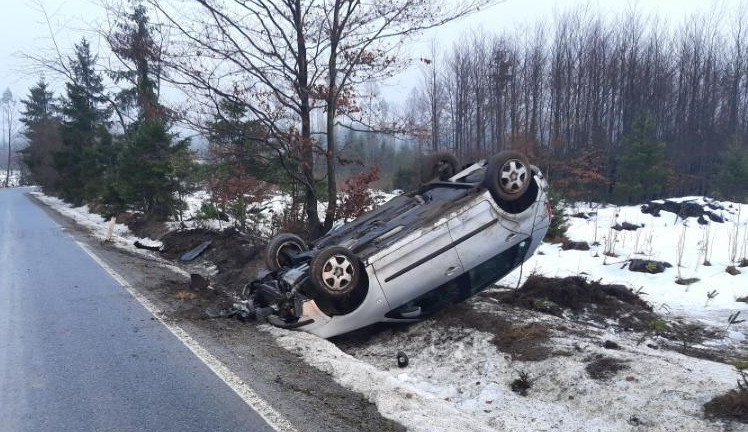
(513, 176)
(337, 272)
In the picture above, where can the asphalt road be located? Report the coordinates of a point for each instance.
(78, 353)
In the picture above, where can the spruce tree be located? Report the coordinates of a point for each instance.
(732, 179)
(87, 143)
(149, 176)
(641, 173)
(40, 117)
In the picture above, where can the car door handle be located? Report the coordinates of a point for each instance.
(450, 271)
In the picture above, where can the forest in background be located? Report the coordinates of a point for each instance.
(618, 110)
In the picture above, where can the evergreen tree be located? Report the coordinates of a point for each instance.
(42, 131)
(133, 43)
(641, 173)
(87, 144)
(149, 176)
(559, 219)
(733, 177)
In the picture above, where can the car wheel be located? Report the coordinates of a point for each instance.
(335, 272)
(508, 175)
(281, 250)
(438, 166)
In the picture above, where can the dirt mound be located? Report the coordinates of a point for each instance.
(233, 254)
(584, 300)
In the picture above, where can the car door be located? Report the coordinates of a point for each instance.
(477, 233)
(417, 264)
(485, 247)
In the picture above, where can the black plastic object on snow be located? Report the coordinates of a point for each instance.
(402, 359)
(194, 253)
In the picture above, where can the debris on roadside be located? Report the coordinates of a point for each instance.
(194, 253)
(140, 245)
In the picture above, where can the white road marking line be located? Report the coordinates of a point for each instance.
(270, 415)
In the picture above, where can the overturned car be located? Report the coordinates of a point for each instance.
(419, 252)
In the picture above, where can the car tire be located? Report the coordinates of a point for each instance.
(281, 250)
(438, 166)
(335, 272)
(508, 176)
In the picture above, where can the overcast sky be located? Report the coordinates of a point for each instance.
(24, 28)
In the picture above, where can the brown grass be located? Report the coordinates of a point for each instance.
(603, 368)
(525, 342)
(732, 405)
(185, 295)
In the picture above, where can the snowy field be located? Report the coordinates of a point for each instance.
(458, 381)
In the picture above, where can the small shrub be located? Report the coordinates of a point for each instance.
(733, 319)
(208, 210)
(522, 384)
(687, 334)
(659, 326)
(559, 219)
(357, 197)
(710, 296)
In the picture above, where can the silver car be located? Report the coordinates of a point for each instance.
(419, 252)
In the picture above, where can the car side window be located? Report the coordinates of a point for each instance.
(498, 266)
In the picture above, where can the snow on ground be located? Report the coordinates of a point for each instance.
(96, 224)
(13, 181)
(460, 381)
(464, 386)
(660, 239)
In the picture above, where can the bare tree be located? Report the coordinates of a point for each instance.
(435, 94)
(284, 59)
(572, 92)
(8, 106)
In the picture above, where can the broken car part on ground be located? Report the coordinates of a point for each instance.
(420, 252)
